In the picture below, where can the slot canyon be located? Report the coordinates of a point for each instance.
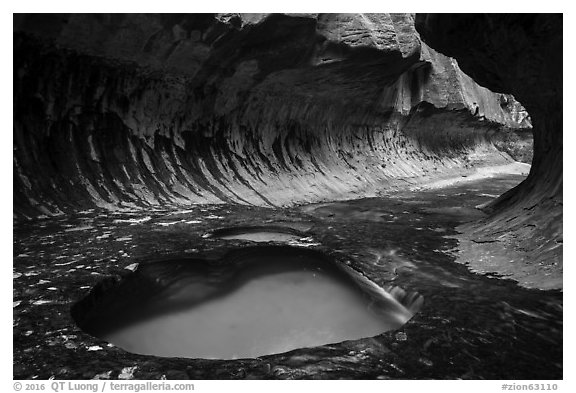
(287, 196)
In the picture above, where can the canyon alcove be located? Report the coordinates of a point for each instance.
(372, 196)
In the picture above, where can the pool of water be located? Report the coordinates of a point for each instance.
(273, 304)
(258, 234)
(262, 237)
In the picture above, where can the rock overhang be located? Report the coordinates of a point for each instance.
(193, 102)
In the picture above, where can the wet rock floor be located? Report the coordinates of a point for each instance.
(470, 327)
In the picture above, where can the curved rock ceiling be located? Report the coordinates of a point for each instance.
(128, 111)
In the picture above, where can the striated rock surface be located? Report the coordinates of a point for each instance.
(128, 111)
(519, 54)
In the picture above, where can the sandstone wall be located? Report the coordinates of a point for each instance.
(519, 54)
(135, 110)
